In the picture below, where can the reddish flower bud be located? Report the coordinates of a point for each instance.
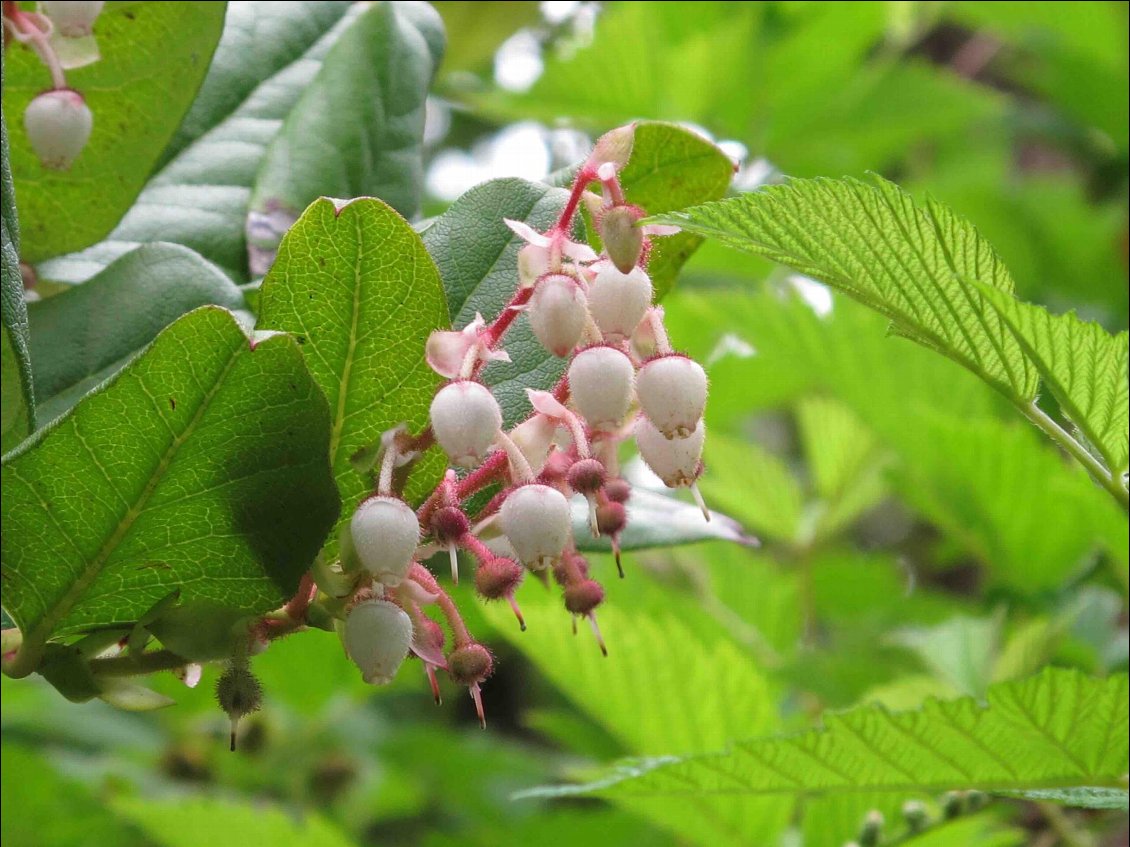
(617, 490)
(466, 420)
(600, 386)
(449, 524)
(58, 125)
(586, 476)
(385, 534)
(672, 393)
(618, 301)
(623, 240)
(611, 518)
(537, 521)
(676, 461)
(470, 664)
(581, 598)
(558, 313)
(498, 578)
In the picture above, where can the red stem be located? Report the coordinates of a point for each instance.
(300, 603)
(584, 177)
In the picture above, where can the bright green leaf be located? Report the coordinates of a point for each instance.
(154, 57)
(84, 334)
(357, 129)
(359, 292)
(912, 264)
(1058, 730)
(201, 466)
(1084, 367)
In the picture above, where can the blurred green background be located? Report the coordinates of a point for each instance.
(918, 539)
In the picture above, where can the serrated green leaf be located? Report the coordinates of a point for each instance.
(664, 645)
(18, 418)
(360, 293)
(357, 129)
(1057, 730)
(912, 264)
(201, 466)
(200, 197)
(477, 257)
(1084, 367)
(154, 57)
(85, 334)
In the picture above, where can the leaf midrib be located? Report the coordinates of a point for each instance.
(43, 629)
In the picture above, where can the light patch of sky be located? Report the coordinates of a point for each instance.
(520, 150)
(815, 294)
(518, 62)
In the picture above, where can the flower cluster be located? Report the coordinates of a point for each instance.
(622, 380)
(58, 121)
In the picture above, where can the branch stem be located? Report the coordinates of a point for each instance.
(1080, 453)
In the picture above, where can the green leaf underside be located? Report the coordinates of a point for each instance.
(913, 264)
(360, 293)
(357, 130)
(664, 652)
(200, 198)
(202, 466)
(154, 57)
(1057, 730)
(671, 168)
(82, 333)
(1084, 367)
(477, 257)
(18, 417)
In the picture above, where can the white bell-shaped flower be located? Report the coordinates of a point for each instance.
(558, 313)
(385, 533)
(465, 419)
(537, 521)
(600, 386)
(676, 461)
(672, 393)
(618, 301)
(58, 125)
(377, 635)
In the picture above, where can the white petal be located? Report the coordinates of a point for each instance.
(661, 229)
(527, 232)
(579, 252)
(547, 404)
(446, 350)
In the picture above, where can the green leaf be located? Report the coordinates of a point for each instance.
(192, 822)
(702, 689)
(358, 290)
(912, 264)
(357, 129)
(671, 168)
(154, 57)
(200, 197)
(1057, 730)
(477, 257)
(18, 418)
(202, 466)
(85, 334)
(1084, 367)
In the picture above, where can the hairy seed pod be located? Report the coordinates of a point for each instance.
(470, 664)
(611, 518)
(623, 240)
(58, 125)
(618, 490)
(239, 693)
(73, 18)
(618, 301)
(582, 597)
(385, 534)
(537, 520)
(676, 461)
(377, 635)
(558, 313)
(497, 578)
(600, 386)
(466, 420)
(586, 476)
(672, 393)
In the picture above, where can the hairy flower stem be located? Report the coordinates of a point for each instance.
(25, 30)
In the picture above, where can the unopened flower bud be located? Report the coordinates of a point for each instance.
(672, 393)
(914, 813)
(623, 240)
(470, 664)
(581, 598)
(558, 313)
(465, 419)
(385, 534)
(377, 636)
(498, 578)
(676, 461)
(872, 830)
(618, 490)
(73, 18)
(239, 693)
(586, 476)
(611, 518)
(58, 125)
(449, 524)
(618, 301)
(537, 521)
(600, 386)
